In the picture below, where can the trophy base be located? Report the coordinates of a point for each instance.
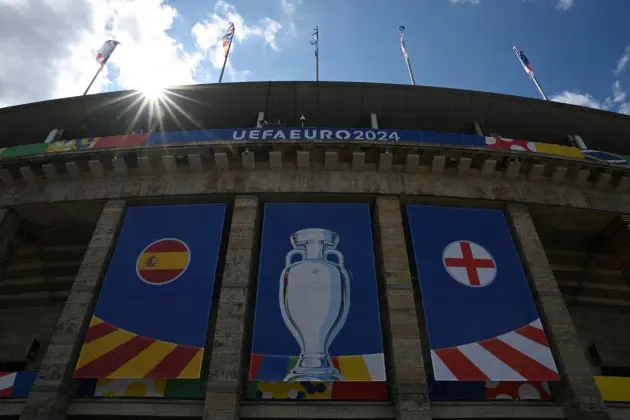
(314, 375)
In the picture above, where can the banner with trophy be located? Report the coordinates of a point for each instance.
(317, 327)
(480, 316)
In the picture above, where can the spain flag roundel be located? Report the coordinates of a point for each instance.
(163, 261)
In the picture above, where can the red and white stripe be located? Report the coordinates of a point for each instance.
(7, 379)
(522, 355)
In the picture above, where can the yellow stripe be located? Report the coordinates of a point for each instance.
(103, 345)
(165, 260)
(95, 321)
(556, 149)
(353, 368)
(614, 388)
(144, 362)
(193, 368)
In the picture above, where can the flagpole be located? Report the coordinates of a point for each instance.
(94, 78)
(317, 56)
(403, 46)
(542, 93)
(227, 54)
(411, 76)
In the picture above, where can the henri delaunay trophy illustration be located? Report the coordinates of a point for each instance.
(314, 301)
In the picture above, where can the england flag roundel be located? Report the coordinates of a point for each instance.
(469, 263)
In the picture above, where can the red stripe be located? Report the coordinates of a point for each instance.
(172, 365)
(160, 276)
(254, 365)
(335, 361)
(98, 331)
(6, 392)
(167, 245)
(109, 362)
(121, 141)
(460, 365)
(527, 367)
(372, 391)
(533, 334)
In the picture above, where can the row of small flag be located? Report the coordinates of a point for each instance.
(103, 53)
(109, 46)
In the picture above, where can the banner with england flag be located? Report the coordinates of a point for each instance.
(480, 315)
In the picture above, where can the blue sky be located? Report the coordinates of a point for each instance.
(575, 47)
(579, 48)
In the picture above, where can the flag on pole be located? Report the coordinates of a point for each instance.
(527, 66)
(403, 46)
(315, 40)
(103, 54)
(227, 38)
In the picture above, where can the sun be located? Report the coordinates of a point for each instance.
(153, 88)
(153, 92)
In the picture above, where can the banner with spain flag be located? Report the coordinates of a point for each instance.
(152, 314)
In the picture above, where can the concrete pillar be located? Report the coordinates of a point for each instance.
(580, 397)
(51, 391)
(226, 364)
(374, 120)
(407, 376)
(9, 232)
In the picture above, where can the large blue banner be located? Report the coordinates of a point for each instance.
(317, 311)
(480, 315)
(152, 314)
(359, 135)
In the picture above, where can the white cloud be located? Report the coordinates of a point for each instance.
(290, 6)
(560, 5)
(619, 95)
(565, 4)
(616, 102)
(148, 56)
(623, 61)
(48, 47)
(577, 98)
(208, 33)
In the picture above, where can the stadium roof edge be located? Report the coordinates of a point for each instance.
(234, 105)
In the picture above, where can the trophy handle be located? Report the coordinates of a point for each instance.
(291, 254)
(334, 253)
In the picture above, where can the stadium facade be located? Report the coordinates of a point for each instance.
(301, 250)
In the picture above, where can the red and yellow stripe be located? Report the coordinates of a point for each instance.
(111, 352)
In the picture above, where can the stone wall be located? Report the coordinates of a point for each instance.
(314, 181)
(20, 325)
(607, 330)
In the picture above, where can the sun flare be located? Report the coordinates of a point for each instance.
(153, 88)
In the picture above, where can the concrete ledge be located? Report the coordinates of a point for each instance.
(136, 407)
(326, 410)
(11, 407)
(619, 411)
(496, 410)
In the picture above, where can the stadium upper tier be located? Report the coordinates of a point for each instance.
(327, 104)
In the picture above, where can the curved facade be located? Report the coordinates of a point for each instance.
(292, 250)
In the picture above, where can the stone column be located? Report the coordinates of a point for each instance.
(50, 395)
(227, 360)
(9, 230)
(407, 376)
(580, 397)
